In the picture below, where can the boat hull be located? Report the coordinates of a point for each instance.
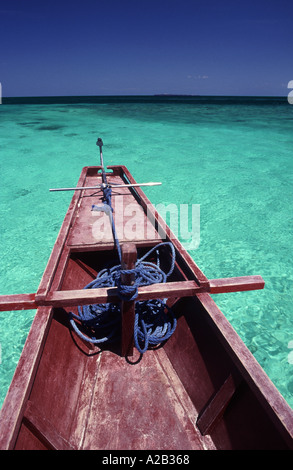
(202, 389)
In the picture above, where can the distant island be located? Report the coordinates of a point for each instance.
(171, 94)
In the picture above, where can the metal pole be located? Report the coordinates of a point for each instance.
(100, 186)
(104, 178)
(100, 144)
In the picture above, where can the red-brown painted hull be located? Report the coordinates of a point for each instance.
(202, 389)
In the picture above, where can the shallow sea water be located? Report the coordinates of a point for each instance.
(234, 158)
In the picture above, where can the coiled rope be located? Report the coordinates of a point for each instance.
(154, 321)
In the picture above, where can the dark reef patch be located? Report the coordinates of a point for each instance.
(52, 127)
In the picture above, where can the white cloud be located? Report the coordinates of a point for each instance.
(197, 77)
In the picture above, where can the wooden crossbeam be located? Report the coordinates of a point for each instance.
(236, 284)
(105, 295)
(17, 302)
(70, 298)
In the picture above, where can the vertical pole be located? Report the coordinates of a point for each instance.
(129, 257)
(100, 145)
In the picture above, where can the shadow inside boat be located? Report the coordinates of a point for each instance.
(89, 349)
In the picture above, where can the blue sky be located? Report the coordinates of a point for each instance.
(128, 47)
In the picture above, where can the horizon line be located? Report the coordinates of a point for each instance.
(153, 95)
(158, 96)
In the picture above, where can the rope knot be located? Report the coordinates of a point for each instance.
(126, 292)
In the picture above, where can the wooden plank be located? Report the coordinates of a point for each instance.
(129, 257)
(154, 291)
(66, 375)
(44, 430)
(139, 407)
(17, 302)
(215, 408)
(236, 284)
(16, 398)
(92, 228)
(70, 298)
(169, 290)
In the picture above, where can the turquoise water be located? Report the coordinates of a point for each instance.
(233, 157)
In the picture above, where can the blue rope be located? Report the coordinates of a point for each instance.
(154, 320)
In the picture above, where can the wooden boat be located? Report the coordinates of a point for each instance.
(200, 389)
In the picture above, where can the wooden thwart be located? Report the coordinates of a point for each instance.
(109, 294)
(215, 408)
(71, 298)
(236, 284)
(17, 302)
(44, 430)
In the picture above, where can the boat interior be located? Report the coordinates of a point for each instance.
(186, 394)
(200, 389)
